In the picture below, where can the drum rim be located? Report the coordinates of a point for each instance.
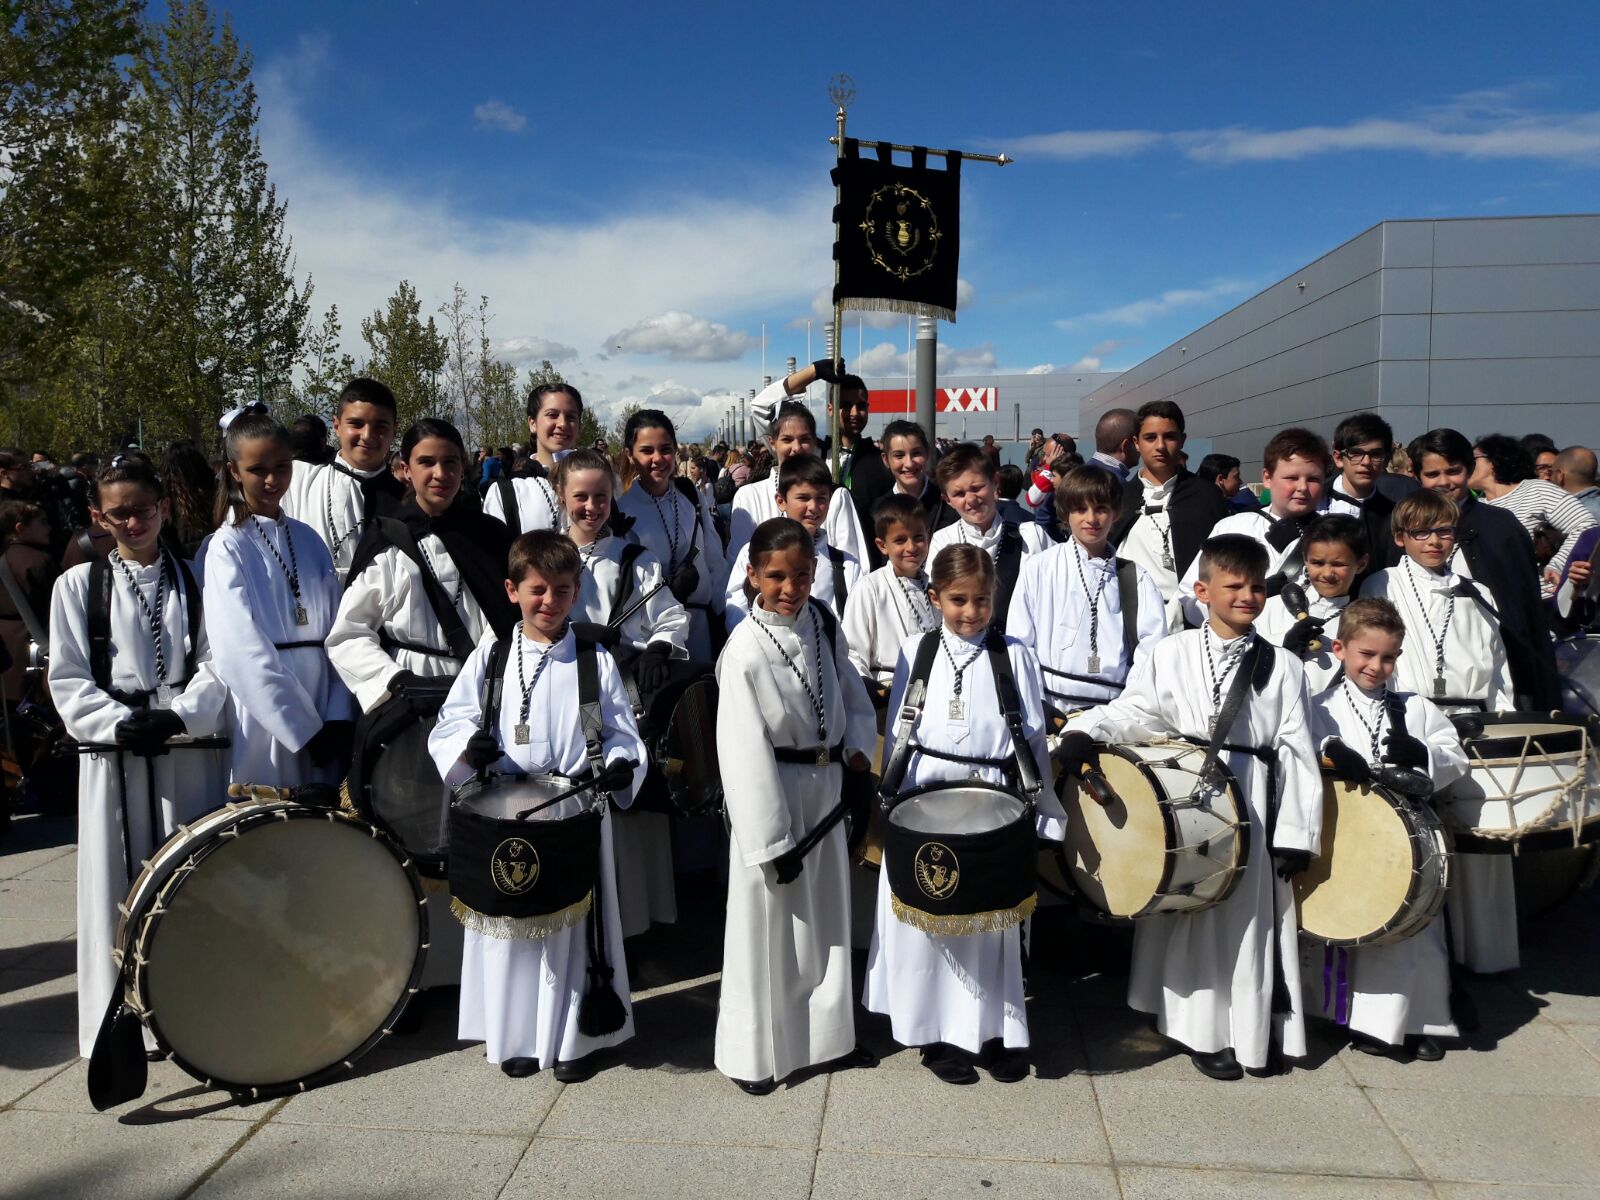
(952, 784)
(657, 740)
(430, 865)
(144, 925)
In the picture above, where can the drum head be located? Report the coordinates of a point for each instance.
(282, 953)
(409, 800)
(1116, 850)
(956, 810)
(1361, 881)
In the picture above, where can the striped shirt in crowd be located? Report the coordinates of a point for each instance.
(1536, 500)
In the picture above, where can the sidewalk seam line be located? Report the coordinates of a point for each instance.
(206, 1175)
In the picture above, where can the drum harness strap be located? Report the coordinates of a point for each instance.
(688, 492)
(1128, 596)
(600, 1011)
(19, 601)
(444, 609)
(1007, 562)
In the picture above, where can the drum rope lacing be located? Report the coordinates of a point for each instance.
(1568, 792)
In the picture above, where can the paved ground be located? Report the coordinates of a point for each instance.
(1112, 1112)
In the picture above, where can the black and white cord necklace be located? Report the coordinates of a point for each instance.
(1361, 705)
(675, 533)
(958, 706)
(819, 706)
(152, 616)
(1218, 671)
(433, 565)
(1094, 604)
(291, 569)
(521, 732)
(1439, 686)
(918, 606)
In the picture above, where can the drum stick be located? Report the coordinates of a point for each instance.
(585, 786)
(622, 617)
(1098, 787)
(199, 743)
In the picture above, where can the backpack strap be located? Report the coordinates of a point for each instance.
(98, 619)
(688, 492)
(905, 722)
(192, 597)
(444, 610)
(1005, 686)
(840, 588)
(1128, 594)
(625, 581)
(85, 540)
(494, 682)
(830, 624)
(1007, 564)
(590, 717)
(508, 502)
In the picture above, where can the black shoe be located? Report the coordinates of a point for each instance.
(520, 1068)
(155, 1056)
(578, 1069)
(858, 1059)
(1423, 1048)
(1274, 1064)
(1224, 1065)
(1464, 1009)
(1372, 1046)
(760, 1087)
(949, 1064)
(1004, 1066)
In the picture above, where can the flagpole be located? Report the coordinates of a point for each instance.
(840, 100)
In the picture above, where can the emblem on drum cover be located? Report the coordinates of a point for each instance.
(514, 866)
(938, 872)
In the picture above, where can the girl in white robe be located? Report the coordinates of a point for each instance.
(1396, 995)
(674, 527)
(271, 596)
(130, 800)
(656, 631)
(1208, 976)
(520, 996)
(555, 414)
(386, 633)
(1453, 635)
(787, 996)
(947, 993)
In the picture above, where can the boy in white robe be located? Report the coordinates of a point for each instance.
(1394, 998)
(1334, 552)
(157, 691)
(971, 486)
(805, 494)
(339, 499)
(891, 604)
(522, 995)
(791, 713)
(962, 997)
(1457, 660)
(622, 582)
(1225, 981)
(1069, 600)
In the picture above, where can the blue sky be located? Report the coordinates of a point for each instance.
(638, 188)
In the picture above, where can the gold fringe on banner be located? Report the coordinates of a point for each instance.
(526, 928)
(964, 924)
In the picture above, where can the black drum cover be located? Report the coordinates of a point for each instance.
(965, 881)
(394, 783)
(502, 867)
(679, 729)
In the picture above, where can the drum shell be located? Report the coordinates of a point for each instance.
(1531, 784)
(414, 813)
(1000, 861)
(678, 726)
(491, 856)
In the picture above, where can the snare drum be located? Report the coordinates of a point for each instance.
(1383, 871)
(679, 728)
(960, 857)
(1531, 783)
(393, 781)
(1160, 841)
(267, 946)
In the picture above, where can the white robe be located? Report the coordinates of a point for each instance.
(388, 598)
(1208, 976)
(666, 527)
(1276, 620)
(520, 996)
(756, 502)
(1148, 540)
(538, 506)
(281, 698)
(823, 588)
(1253, 523)
(1050, 612)
(315, 491)
(1483, 899)
(642, 840)
(958, 533)
(960, 990)
(787, 997)
(880, 613)
(1403, 987)
(114, 787)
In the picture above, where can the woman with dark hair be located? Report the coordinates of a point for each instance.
(527, 501)
(191, 496)
(1503, 470)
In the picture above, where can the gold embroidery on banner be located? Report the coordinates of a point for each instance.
(901, 230)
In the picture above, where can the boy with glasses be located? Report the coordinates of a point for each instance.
(1362, 444)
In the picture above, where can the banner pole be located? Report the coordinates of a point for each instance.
(838, 312)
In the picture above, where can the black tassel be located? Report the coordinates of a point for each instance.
(600, 1011)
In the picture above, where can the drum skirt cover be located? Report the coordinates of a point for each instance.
(961, 860)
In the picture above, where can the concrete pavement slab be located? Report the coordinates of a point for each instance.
(1497, 1139)
(171, 1094)
(38, 899)
(901, 1112)
(22, 941)
(1312, 1130)
(845, 1176)
(23, 862)
(65, 1155)
(1536, 1060)
(28, 1060)
(1508, 1191)
(1169, 1183)
(291, 1161)
(60, 867)
(603, 1170)
(38, 1001)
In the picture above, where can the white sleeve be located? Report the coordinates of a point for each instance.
(713, 560)
(1299, 799)
(89, 714)
(861, 719)
(371, 601)
(661, 618)
(1152, 626)
(491, 503)
(204, 699)
(460, 716)
(733, 591)
(620, 737)
(1447, 761)
(1019, 617)
(1051, 818)
(850, 540)
(860, 626)
(753, 790)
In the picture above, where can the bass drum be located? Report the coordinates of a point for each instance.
(1532, 783)
(267, 946)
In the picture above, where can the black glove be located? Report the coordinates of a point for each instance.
(1074, 752)
(826, 370)
(650, 668)
(788, 865)
(683, 582)
(1301, 636)
(481, 751)
(858, 792)
(1348, 766)
(617, 776)
(1403, 750)
(401, 683)
(601, 635)
(147, 731)
(331, 744)
(1289, 863)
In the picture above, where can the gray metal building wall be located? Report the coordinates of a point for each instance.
(1050, 402)
(1486, 325)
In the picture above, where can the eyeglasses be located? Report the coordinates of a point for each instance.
(121, 516)
(1377, 455)
(1444, 532)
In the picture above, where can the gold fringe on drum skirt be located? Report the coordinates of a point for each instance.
(527, 928)
(964, 924)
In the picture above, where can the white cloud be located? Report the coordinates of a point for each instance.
(680, 337)
(887, 359)
(1141, 312)
(530, 351)
(1070, 145)
(497, 114)
(1042, 369)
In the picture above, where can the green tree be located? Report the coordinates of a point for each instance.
(614, 435)
(328, 367)
(408, 355)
